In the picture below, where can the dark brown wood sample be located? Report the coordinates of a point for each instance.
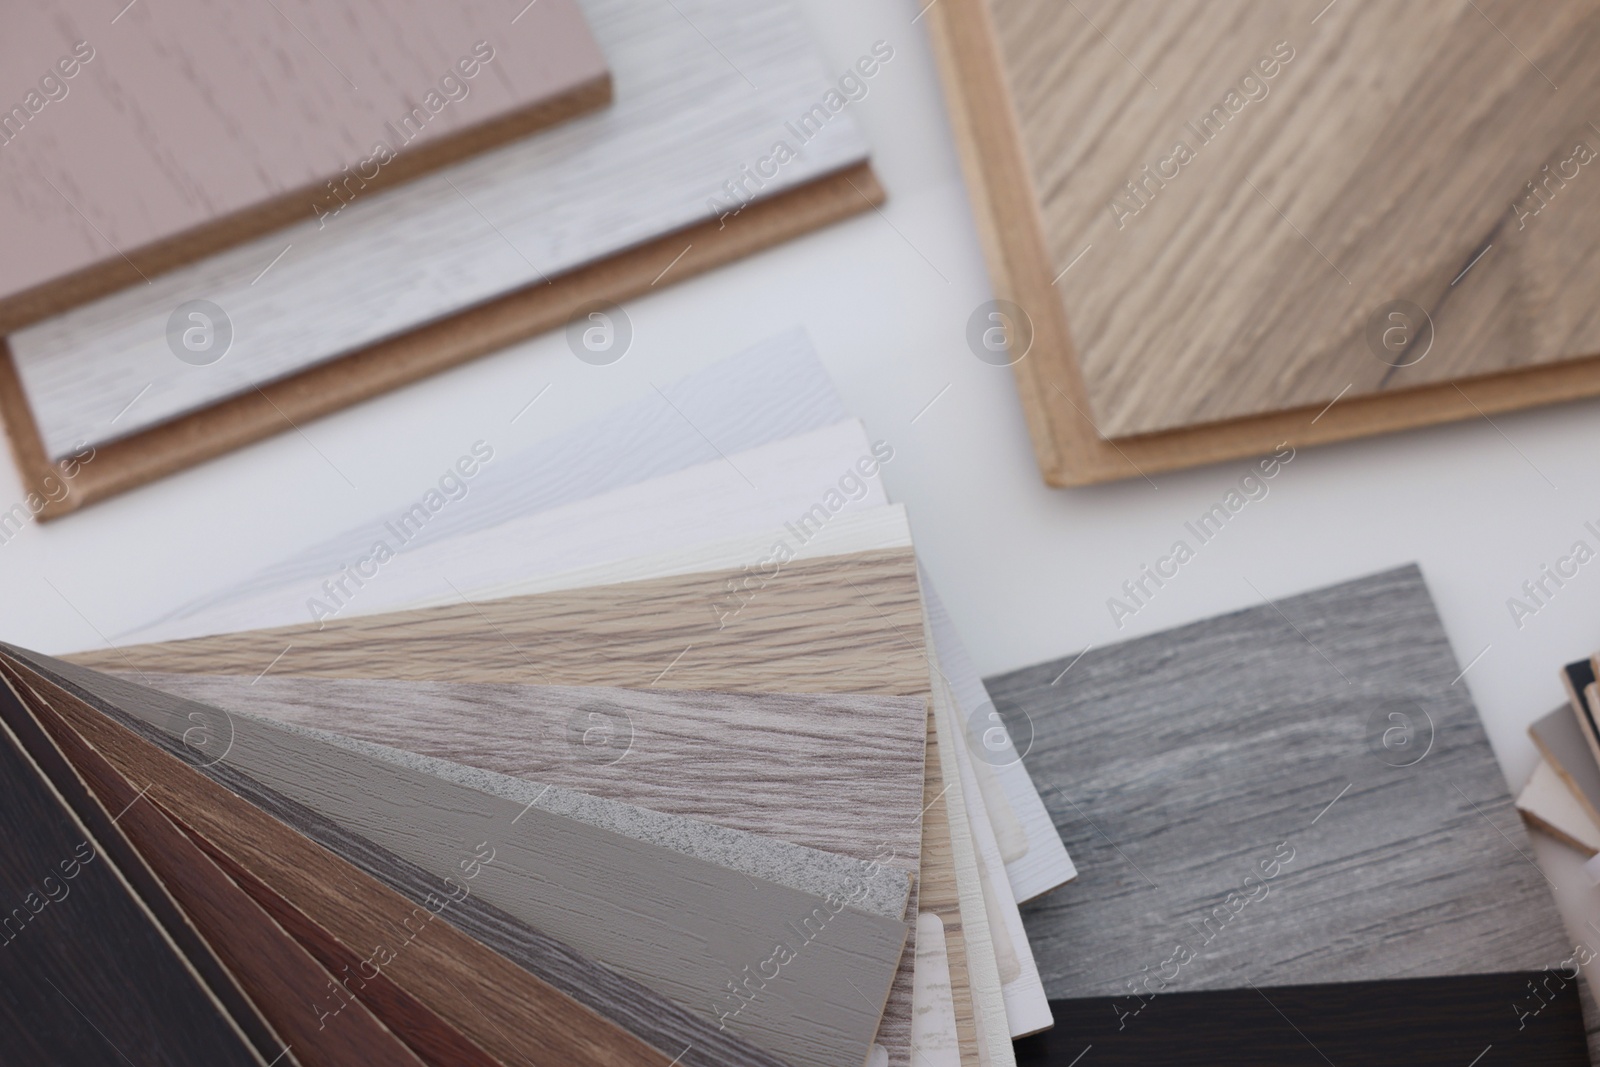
(1479, 1020)
(500, 1007)
(87, 974)
(282, 980)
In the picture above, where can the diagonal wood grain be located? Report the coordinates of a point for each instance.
(698, 754)
(845, 624)
(647, 906)
(479, 992)
(278, 975)
(1272, 744)
(89, 975)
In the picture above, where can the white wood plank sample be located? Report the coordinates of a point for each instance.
(774, 389)
(685, 120)
(690, 929)
(1549, 805)
(805, 768)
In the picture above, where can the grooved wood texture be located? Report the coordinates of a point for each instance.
(278, 975)
(842, 624)
(89, 975)
(1432, 1022)
(184, 128)
(698, 754)
(501, 1008)
(648, 908)
(1181, 365)
(1298, 793)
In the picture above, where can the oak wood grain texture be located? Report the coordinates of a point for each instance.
(1560, 740)
(1546, 803)
(273, 407)
(81, 948)
(1215, 752)
(1069, 448)
(640, 1011)
(192, 127)
(1428, 1022)
(773, 389)
(498, 1006)
(656, 163)
(690, 753)
(833, 625)
(645, 902)
(278, 975)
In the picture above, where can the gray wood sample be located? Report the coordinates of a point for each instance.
(804, 768)
(1294, 793)
(1560, 740)
(696, 932)
(630, 1006)
(685, 122)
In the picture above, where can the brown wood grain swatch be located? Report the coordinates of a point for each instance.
(500, 1007)
(654, 907)
(1223, 308)
(183, 128)
(848, 624)
(660, 1022)
(280, 978)
(89, 975)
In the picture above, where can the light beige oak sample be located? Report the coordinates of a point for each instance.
(132, 144)
(1224, 292)
(847, 624)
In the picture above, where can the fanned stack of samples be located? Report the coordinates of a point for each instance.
(1297, 849)
(658, 749)
(1562, 797)
(695, 162)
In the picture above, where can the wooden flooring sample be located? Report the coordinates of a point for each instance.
(1253, 189)
(277, 973)
(193, 127)
(1560, 741)
(638, 1010)
(872, 597)
(90, 976)
(685, 122)
(1286, 795)
(1547, 804)
(499, 1006)
(691, 753)
(646, 906)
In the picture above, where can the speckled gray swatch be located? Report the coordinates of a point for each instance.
(1295, 793)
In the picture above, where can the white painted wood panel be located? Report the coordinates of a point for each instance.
(690, 112)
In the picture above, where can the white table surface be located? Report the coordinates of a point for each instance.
(1025, 570)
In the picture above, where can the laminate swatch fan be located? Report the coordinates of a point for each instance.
(1216, 227)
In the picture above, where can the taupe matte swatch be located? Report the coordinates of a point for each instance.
(686, 928)
(1560, 740)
